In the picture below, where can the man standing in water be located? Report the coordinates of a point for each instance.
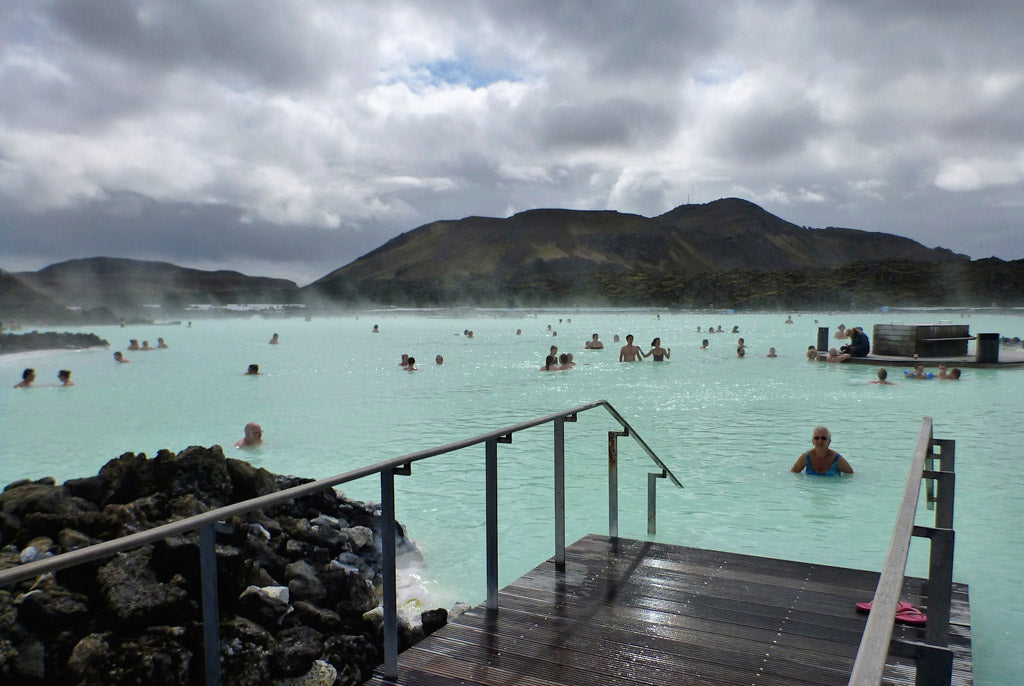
(630, 352)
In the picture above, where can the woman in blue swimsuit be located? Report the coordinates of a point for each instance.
(821, 460)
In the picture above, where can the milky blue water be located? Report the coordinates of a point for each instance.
(332, 397)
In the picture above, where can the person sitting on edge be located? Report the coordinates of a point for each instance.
(836, 356)
(593, 343)
(812, 353)
(821, 460)
(253, 369)
(860, 344)
(953, 375)
(28, 377)
(630, 352)
(883, 378)
(411, 367)
(253, 436)
(274, 340)
(64, 376)
(771, 353)
(550, 364)
(660, 354)
(118, 357)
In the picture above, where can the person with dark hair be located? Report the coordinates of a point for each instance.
(660, 354)
(254, 369)
(28, 377)
(550, 364)
(64, 376)
(630, 352)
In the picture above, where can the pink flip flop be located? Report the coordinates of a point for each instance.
(911, 616)
(901, 606)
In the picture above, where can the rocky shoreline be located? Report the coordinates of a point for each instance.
(48, 340)
(299, 583)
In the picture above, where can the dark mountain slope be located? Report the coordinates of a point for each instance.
(540, 256)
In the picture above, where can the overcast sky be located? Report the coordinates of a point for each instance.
(289, 138)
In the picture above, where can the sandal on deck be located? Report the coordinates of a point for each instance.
(900, 606)
(905, 613)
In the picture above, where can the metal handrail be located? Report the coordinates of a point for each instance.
(933, 657)
(387, 469)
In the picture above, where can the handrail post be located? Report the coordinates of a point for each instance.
(390, 591)
(211, 606)
(560, 492)
(940, 582)
(652, 501)
(491, 507)
(613, 481)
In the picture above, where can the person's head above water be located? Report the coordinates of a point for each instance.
(253, 436)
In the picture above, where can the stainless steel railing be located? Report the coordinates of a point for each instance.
(933, 657)
(388, 469)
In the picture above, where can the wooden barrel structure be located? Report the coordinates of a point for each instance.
(923, 340)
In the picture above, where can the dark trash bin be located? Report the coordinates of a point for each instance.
(987, 348)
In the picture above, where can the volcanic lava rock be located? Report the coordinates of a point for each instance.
(297, 582)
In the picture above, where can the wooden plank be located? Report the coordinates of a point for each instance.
(628, 612)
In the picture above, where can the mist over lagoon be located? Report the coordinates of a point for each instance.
(331, 397)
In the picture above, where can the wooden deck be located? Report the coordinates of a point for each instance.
(634, 612)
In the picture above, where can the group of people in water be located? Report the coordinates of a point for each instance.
(28, 378)
(133, 344)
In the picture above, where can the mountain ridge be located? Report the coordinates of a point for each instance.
(730, 252)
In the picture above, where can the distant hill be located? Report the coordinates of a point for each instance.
(593, 257)
(21, 300)
(115, 282)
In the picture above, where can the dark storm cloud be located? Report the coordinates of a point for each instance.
(294, 137)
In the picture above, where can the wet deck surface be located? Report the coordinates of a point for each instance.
(634, 612)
